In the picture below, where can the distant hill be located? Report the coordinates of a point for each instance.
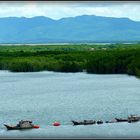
(85, 28)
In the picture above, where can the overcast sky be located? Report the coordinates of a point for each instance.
(59, 9)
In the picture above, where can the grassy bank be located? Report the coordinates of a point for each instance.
(98, 59)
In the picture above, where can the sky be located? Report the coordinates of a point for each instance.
(61, 9)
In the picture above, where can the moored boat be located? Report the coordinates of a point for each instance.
(11, 127)
(121, 120)
(21, 125)
(85, 122)
(133, 118)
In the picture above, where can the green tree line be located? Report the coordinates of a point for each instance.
(112, 61)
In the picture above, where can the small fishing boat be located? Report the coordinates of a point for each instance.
(85, 122)
(133, 118)
(11, 127)
(21, 125)
(121, 120)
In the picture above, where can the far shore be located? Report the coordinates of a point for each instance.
(76, 43)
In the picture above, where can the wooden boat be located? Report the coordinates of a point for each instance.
(133, 118)
(22, 125)
(121, 120)
(11, 127)
(85, 122)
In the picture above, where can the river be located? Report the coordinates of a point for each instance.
(46, 97)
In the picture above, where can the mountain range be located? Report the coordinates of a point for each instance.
(84, 28)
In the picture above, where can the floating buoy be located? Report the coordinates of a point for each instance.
(56, 124)
(36, 126)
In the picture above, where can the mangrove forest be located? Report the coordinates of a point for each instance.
(96, 59)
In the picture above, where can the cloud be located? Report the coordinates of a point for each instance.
(59, 9)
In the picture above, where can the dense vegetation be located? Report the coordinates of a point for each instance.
(98, 59)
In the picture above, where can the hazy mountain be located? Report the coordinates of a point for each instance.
(83, 28)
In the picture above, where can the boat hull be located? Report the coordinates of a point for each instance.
(121, 120)
(84, 123)
(15, 127)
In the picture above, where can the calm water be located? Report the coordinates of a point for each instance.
(46, 97)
